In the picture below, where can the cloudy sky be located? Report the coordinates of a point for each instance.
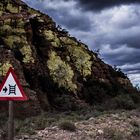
(113, 26)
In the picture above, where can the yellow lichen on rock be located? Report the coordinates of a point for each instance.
(61, 72)
(10, 40)
(20, 42)
(12, 8)
(18, 31)
(68, 41)
(27, 53)
(7, 21)
(5, 29)
(81, 59)
(1, 13)
(20, 23)
(4, 68)
(39, 19)
(32, 11)
(52, 37)
(1, 6)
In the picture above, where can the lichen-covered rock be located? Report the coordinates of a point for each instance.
(61, 72)
(52, 37)
(81, 60)
(50, 64)
(12, 40)
(68, 41)
(27, 53)
(5, 29)
(4, 68)
(12, 8)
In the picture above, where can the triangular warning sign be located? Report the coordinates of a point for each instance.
(11, 88)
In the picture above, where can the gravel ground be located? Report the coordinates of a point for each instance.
(110, 126)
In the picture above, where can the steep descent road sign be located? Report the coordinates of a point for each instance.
(11, 88)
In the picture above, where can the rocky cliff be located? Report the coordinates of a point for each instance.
(53, 67)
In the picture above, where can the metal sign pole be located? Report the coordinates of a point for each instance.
(11, 121)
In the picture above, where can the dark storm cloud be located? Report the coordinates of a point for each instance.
(132, 70)
(69, 20)
(62, 13)
(121, 56)
(78, 23)
(131, 39)
(97, 5)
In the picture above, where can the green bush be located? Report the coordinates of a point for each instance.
(65, 102)
(66, 125)
(123, 101)
(113, 134)
(136, 97)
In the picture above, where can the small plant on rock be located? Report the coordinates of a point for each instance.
(66, 125)
(113, 134)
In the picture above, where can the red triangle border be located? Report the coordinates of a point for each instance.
(18, 84)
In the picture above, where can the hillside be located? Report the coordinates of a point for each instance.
(55, 69)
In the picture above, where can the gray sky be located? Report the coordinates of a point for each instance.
(113, 26)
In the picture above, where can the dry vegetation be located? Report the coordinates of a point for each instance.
(84, 124)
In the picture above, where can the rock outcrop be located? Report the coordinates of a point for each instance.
(52, 66)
